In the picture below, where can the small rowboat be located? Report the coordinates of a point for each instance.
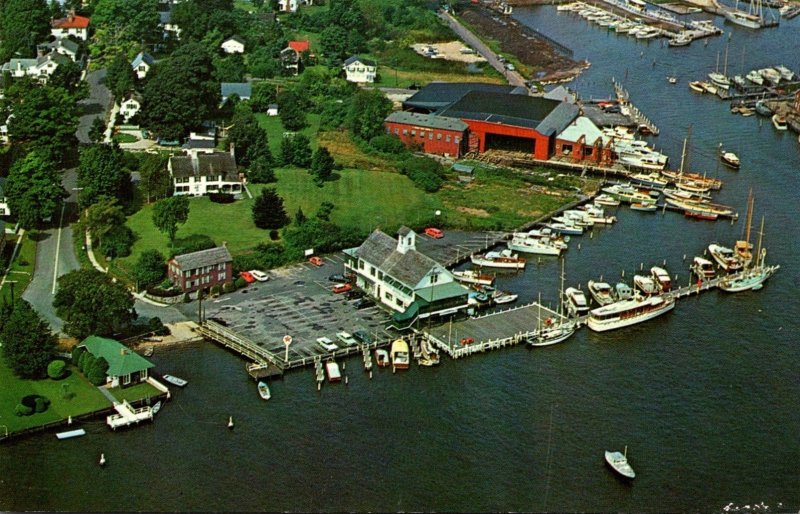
(263, 390)
(175, 380)
(156, 407)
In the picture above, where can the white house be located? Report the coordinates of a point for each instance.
(130, 106)
(410, 283)
(360, 70)
(142, 63)
(272, 110)
(233, 45)
(4, 210)
(70, 25)
(40, 68)
(288, 5)
(65, 47)
(198, 174)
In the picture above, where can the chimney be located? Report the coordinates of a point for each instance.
(233, 153)
(195, 160)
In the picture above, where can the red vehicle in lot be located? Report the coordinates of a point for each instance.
(434, 232)
(341, 288)
(316, 261)
(248, 277)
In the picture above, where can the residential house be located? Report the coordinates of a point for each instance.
(199, 173)
(272, 110)
(233, 45)
(40, 68)
(125, 367)
(70, 25)
(130, 106)
(142, 63)
(395, 273)
(291, 55)
(360, 70)
(65, 47)
(204, 269)
(583, 141)
(4, 139)
(199, 145)
(288, 5)
(4, 210)
(168, 28)
(244, 90)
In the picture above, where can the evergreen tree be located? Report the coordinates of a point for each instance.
(28, 345)
(120, 78)
(260, 172)
(321, 166)
(300, 217)
(268, 210)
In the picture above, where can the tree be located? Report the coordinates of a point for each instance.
(121, 24)
(230, 68)
(300, 217)
(66, 76)
(104, 216)
(260, 172)
(150, 268)
(248, 137)
(28, 345)
(97, 130)
(120, 77)
(333, 40)
(102, 172)
(56, 369)
(169, 213)
(268, 210)
(34, 189)
(46, 119)
(96, 374)
(154, 179)
(261, 63)
(292, 112)
(368, 110)
(263, 95)
(322, 166)
(91, 302)
(23, 24)
(296, 150)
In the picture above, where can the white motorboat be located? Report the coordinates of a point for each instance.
(566, 228)
(332, 369)
(399, 355)
(156, 407)
(382, 358)
(622, 291)
(779, 122)
(682, 39)
(730, 159)
(502, 297)
(725, 257)
(755, 77)
(601, 292)
(504, 259)
(473, 277)
(175, 380)
(619, 463)
(697, 86)
(627, 193)
(576, 301)
(645, 284)
(263, 390)
(606, 199)
(786, 73)
(703, 268)
(661, 278)
(720, 80)
(628, 312)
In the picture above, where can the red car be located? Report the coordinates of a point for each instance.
(316, 261)
(341, 288)
(434, 233)
(248, 277)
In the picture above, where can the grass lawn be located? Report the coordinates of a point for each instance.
(275, 130)
(121, 137)
(86, 398)
(21, 271)
(136, 392)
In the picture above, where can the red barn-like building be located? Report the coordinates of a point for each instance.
(201, 270)
(430, 133)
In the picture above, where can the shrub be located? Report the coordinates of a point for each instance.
(55, 369)
(82, 359)
(229, 287)
(216, 289)
(155, 325)
(240, 283)
(77, 352)
(425, 173)
(387, 144)
(97, 373)
(23, 410)
(118, 242)
(192, 243)
(186, 298)
(40, 404)
(88, 363)
(221, 197)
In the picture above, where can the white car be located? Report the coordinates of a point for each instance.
(327, 344)
(259, 275)
(346, 338)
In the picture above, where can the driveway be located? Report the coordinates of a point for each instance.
(97, 105)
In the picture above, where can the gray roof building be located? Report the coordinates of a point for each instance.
(244, 90)
(208, 165)
(438, 95)
(558, 119)
(427, 120)
(517, 110)
(409, 267)
(355, 58)
(203, 258)
(143, 57)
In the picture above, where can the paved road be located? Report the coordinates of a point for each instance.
(514, 78)
(97, 105)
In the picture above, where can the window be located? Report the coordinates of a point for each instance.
(388, 297)
(457, 140)
(447, 138)
(438, 136)
(405, 132)
(413, 132)
(422, 134)
(430, 136)
(380, 275)
(126, 379)
(396, 131)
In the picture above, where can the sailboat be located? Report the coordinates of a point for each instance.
(721, 79)
(753, 18)
(553, 333)
(753, 277)
(743, 247)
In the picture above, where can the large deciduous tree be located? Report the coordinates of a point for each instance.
(90, 302)
(23, 24)
(28, 344)
(47, 119)
(368, 110)
(154, 179)
(103, 217)
(268, 210)
(120, 77)
(169, 213)
(34, 189)
(102, 172)
(149, 268)
(120, 24)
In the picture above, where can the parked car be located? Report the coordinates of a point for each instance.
(316, 261)
(434, 233)
(354, 294)
(341, 288)
(259, 275)
(363, 303)
(363, 336)
(346, 338)
(248, 277)
(327, 344)
(337, 277)
(510, 67)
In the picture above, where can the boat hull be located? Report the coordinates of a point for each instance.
(605, 325)
(551, 336)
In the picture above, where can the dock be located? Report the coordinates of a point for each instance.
(128, 415)
(624, 99)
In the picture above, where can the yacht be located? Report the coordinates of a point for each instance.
(535, 245)
(628, 312)
(645, 284)
(576, 301)
(725, 257)
(703, 268)
(504, 259)
(755, 77)
(619, 463)
(601, 292)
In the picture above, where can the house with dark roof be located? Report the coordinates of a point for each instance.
(142, 63)
(70, 25)
(438, 95)
(199, 173)
(64, 46)
(396, 274)
(39, 68)
(200, 270)
(125, 367)
(360, 70)
(432, 134)
(233, 45)
(244, 90)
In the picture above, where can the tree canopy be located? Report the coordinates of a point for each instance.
(292, 110)
(34, 189)
(368, 110)
(90, 302)
(149, 268)
(322, 164)
(154, 179)
(46, 119)
(28, 344)
(169, 213)
(103, 216)
(102, 172)
(122, 24)
(248, 137)
(120, 77)
(268, 210)
(23, 24)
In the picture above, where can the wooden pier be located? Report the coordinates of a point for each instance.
(624, 98)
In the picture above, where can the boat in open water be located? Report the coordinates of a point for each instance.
(263, 390)
(619, 463)
(172, 379)
(628, 312)
(729, 159)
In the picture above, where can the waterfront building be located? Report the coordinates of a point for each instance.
(396, 274)
(582, 140)
(200, 270)
(432, 134)
(125, 367)
(198, 174)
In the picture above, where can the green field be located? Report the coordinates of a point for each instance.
(275, 130)
(21, 271)
(134, 392)
(85, 398)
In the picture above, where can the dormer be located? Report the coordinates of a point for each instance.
(406, 240)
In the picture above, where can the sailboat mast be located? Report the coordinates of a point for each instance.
(725, 66)
(683, 156)
(759, 256)
(561, 292)
(749, 220)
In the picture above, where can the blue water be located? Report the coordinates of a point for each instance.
(705, 398)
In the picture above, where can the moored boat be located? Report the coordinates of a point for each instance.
(662, 278)
(762, 109)
(698, 208)
(473, 277)
(619, 463)
(725, 257)
(644, 207)
(703, 268)
(535, 245)
(576, 301)
(601, 292)
(504, 259)
(622, 291)
(382, 358)
(755, 77)
(501, 297)
(263, 390)
(332, 369)
(627, 193)
(399, 354)
(697, 86)
(552, 334)
(628, 312)
(175, 380)
(606, 199)
(645, 284)
(779, 122)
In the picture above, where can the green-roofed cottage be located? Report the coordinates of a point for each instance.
(125, 367)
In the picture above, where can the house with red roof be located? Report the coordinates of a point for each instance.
(70, 25)
(291, 55)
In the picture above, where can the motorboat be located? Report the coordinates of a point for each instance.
(172, 379)
(576, 301)
(697, 86)
(504, 259)
(627, 193)
(770, 75)
(703, 268)
(672, 80)
(382, 358)
(619, 463)
(720, 80)
(473, 277)
(332, 369)
(399, 355)
(730, 159)
(779, 122)
(725, 257)
(501, 297)
(263, 390)
(628, 312)
(755, 77)
(682, 39)
(601, 292)
(622, 291)
(606, 199)
(709, 88)
(762, 109)
(662, 278)
(645, 284)
(786, 73)
(644, 207)
(156, 407)
(564, 228)
(535, 245)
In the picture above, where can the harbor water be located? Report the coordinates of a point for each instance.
(705, 397)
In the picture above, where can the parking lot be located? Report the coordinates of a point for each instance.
(296, 301)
